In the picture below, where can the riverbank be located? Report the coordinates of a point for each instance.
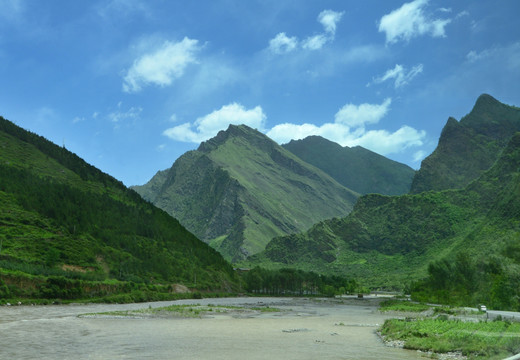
(449, 333)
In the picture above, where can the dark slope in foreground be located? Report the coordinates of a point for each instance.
(240, 189)
(63, 217)
(356, 168)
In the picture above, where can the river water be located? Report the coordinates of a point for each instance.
(307, 329)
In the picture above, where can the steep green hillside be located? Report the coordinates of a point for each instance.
(241, 189)
(62, 217)
(468, 148)
(356, 168)
(389, 241)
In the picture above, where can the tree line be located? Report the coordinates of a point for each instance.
(463, 281)
(296, 282)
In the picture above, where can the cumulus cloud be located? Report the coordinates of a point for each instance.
(385, 142)
(281, 43)
(162, 66)
(348, 129)
(329, 19)
(209, 125)
(410, 21)
(359, 115)
(400, 75)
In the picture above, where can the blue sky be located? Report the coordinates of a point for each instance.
(131, 85)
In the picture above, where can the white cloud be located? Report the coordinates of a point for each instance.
(348, 129)
(358, 115)
(315, 42)
(410, 21)
(209, 125)
(329, 19)
(281, 43)
(497, 57)
(400, 75)
(78, 119)
(385, 142)
(133, 113)
(162, 66)
(419, 155)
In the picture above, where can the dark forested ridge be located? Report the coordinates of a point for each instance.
(64, 219)
(356, 168)
(240, 189)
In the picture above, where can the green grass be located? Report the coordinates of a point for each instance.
(403, 306)
(495, 339)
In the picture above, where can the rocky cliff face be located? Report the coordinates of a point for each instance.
(240, 189)
(469, 147)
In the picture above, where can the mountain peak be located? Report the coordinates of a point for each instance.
(240, 189)
(233, 131)
(468, 147)
(485, 100)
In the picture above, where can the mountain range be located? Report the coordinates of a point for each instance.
(69, 230)
(465, 207)
(240, 189)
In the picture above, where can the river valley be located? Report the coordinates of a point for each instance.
(304, 329)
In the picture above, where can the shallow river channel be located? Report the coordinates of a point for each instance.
(305, 329)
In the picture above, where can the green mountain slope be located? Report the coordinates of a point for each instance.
(356, 168)
(63, 217)
(240, 189)
(468, 148)
(388, 241)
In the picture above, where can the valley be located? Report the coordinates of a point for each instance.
(72, 232)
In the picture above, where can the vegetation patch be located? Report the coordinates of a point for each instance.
(403, 306)
(490, 340)
(185, 311)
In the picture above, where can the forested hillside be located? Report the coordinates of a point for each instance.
(68, 230)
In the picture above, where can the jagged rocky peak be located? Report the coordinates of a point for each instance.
(468, 147)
